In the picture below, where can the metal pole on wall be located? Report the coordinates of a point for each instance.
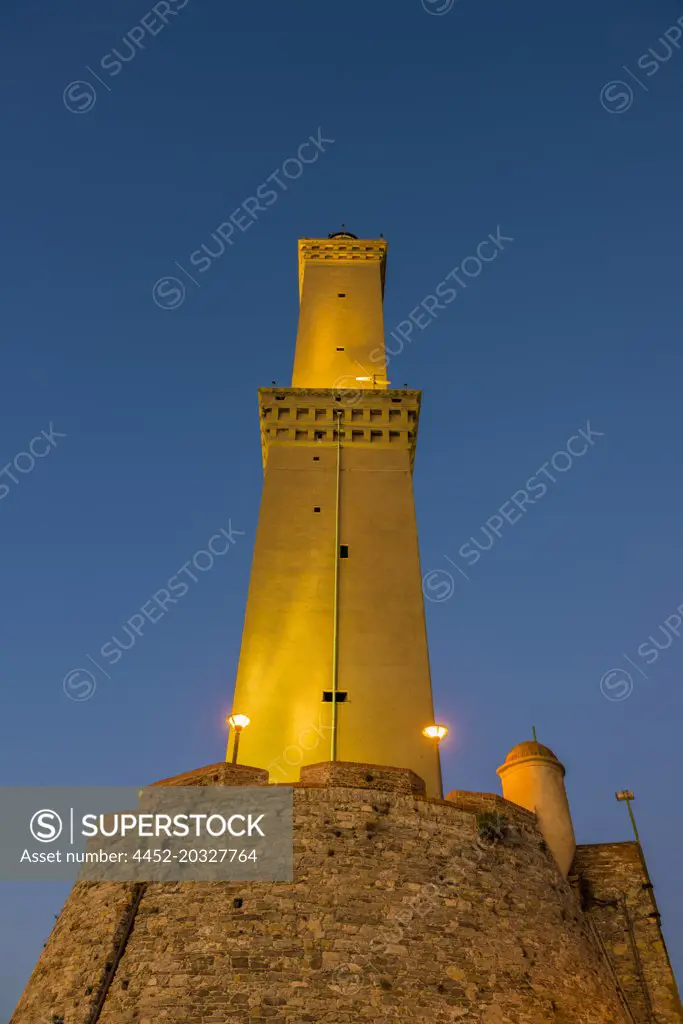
(335, 612)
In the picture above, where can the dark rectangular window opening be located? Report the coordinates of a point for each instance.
(341, 295)
(316, 458)
(341, 695)
(340, 350)
(343, 550)
(316, 508)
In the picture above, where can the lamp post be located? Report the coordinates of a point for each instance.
(436, 733)
(237, 723)
(627, 795)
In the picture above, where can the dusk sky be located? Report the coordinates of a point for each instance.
(553, 128)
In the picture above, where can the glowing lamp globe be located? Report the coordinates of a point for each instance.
(435, 732)
(238, 721)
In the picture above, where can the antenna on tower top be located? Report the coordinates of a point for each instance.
(533, 729)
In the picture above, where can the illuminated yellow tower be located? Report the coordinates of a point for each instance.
(334, 662)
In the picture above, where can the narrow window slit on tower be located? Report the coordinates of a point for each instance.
(340, 350)
(341, 295)
(316, 458)
(316, 508)
(343, 550)
(341, 697)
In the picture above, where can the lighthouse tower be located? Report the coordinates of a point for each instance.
(477, 908)
(334, 662)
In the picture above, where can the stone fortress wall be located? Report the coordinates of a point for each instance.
(617, 897)
(402, 908)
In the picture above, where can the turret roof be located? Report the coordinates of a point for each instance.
(530, 748)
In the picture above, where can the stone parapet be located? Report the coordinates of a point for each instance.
(488, 803)
(362, 776)
(221, 774)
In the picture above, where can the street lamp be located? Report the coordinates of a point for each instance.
(627, 796)
(237, 723)
(436, 732)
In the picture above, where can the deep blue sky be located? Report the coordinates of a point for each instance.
(445, 127)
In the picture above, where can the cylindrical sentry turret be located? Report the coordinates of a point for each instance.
(532, 777)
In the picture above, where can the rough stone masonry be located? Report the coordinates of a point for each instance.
(402, 908)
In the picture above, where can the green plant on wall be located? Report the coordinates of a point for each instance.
(492, 827)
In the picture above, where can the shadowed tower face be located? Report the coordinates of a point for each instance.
(334, 662)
